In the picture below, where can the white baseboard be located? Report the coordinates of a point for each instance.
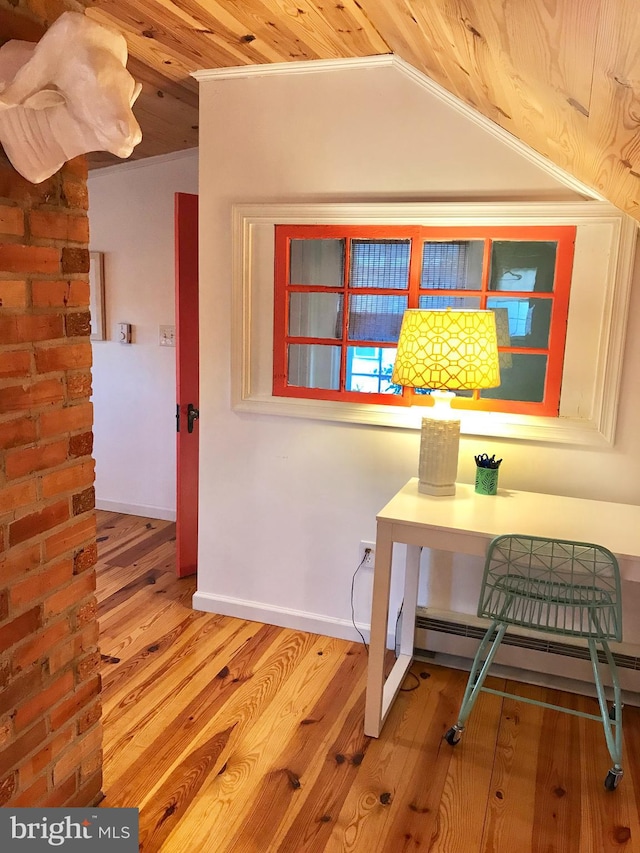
(137, 509)
(284, 617)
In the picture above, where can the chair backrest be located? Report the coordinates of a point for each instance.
(553, 585)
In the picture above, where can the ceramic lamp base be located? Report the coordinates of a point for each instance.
(438, 465)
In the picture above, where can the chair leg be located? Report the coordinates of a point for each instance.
(477, 675)
(614, 741)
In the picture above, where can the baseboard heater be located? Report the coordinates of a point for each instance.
(512, 638)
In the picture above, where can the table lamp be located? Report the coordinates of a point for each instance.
(446, 351)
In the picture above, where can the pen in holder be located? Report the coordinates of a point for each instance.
(487, 468)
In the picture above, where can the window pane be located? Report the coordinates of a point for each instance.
(319, 262)
(452, 266)
(438, 303)
(314, 366)
(315, 315)
(524, 380)
(380, 263)
(528, 322)
(376, 318)
(369, 370)
(523, 265)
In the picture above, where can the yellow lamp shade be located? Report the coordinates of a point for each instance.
(447, 349)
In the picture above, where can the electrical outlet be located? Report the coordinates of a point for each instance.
(364, 558)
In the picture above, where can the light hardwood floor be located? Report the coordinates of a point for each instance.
(236, 737)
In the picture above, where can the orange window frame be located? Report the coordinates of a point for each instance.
(563, 236)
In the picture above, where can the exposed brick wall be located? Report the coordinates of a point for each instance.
(50, 732)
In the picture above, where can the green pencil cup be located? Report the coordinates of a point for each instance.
(486, 481)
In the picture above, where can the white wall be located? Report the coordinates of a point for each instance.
(285, 502)
(131, 220)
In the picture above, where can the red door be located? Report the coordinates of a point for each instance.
(186, 252)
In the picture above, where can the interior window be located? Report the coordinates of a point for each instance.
(341, 292)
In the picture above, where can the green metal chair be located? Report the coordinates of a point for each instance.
(560, 587)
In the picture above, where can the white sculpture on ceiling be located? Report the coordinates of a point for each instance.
(66, 95)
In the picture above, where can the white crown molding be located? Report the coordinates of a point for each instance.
(314, 66)
(158, 160)
(306, 66)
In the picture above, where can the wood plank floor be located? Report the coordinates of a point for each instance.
(236, 737)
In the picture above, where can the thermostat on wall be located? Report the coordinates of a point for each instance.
(124, 333)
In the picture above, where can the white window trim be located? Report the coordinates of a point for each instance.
(601, 287)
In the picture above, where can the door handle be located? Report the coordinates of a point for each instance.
(192, 415)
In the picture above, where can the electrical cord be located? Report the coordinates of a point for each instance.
(415, 686)
(412, 674)
(395, 633)
(367, 551)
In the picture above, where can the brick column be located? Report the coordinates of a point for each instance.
(50, 733)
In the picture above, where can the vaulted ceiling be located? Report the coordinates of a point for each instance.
(562, 75)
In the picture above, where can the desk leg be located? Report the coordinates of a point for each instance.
(412, 572)
(378, 637)
(381, 693)
(440, 579)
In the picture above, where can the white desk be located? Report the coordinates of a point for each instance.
(465, 523)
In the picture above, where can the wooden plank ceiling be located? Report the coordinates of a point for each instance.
(562, 75)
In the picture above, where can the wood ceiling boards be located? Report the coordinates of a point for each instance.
(561, 75)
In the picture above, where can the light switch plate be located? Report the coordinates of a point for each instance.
(124, 333)
(167, 336)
